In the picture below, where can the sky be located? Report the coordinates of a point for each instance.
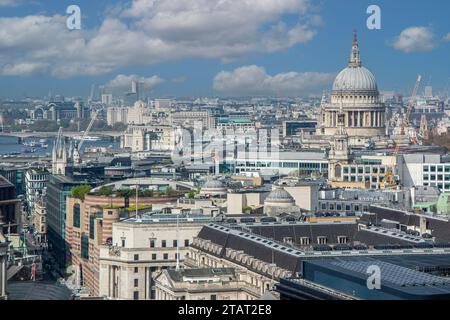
(192, 48)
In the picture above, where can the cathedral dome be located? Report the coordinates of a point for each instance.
(355, 80)
(279, 195)
(213, 187)
(213, 184)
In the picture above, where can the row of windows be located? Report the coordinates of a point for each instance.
(436, 177)
(365, 179)
(439, 185)
(342, 207)
(322, 240)
(282, 164)
(434, 168)
(163, 243)
(365, 170)
(154, 257)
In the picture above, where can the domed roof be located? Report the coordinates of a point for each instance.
(355, 78)
(280, 194)
(213, 184)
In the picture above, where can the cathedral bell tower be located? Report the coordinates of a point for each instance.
(339, 153)
(59, 157)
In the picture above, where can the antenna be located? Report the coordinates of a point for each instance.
(137, 197)
(178, 246)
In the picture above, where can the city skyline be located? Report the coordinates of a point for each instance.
(216, 48)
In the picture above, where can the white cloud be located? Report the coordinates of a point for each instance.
(122, 81)
(147, 32)
(23, 69)
(254, 80)
(9, 3)
(415, 39)
(447, 37)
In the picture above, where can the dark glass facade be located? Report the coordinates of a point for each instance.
(58, 189)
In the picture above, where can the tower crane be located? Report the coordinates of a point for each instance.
(86, 132)
(405, 122)
(389, 178)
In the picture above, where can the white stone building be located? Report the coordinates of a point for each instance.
(140, 249)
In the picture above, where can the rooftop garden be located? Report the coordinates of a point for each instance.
(80, 192)
(109, 191)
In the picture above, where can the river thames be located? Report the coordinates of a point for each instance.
(11, 145)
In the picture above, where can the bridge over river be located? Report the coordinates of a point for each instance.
(65, 134)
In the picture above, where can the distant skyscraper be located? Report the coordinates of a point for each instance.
(428, 91)
(107, 99)
(134, 86)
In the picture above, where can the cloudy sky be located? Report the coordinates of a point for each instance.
(217, 47)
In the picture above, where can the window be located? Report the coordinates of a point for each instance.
(213, 297)
(186, 243)
(136, 257)
(304, 241)
(136, 270)
(165, 256)
(152, 243)
(92, 226)
(342, 239)
(123, 242)
(136, 283)
(136, 295)
(175, 243)
(322, 240)
(153, 256)
(84, 247)
(163, 243)
(76, 215)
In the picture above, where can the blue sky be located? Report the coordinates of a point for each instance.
(218, 47)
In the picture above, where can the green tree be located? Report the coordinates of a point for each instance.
(80, 192)
(106, 191)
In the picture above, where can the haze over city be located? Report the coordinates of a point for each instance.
(246, 152)
(210, 48)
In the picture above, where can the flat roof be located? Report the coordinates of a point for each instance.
(398, 274)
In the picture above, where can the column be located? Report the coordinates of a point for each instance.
(2, 276)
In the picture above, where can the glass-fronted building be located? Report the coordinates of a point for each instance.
(58, 189)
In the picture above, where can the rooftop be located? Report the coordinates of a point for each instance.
(182, 274)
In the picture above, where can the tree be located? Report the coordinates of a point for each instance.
(247, 209)
(80, 192)
(106, 191)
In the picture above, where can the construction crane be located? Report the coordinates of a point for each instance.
(86, 132)
(389, 178)
(412, 99)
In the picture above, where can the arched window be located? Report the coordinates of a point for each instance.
(337, 171)
(76, 215)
